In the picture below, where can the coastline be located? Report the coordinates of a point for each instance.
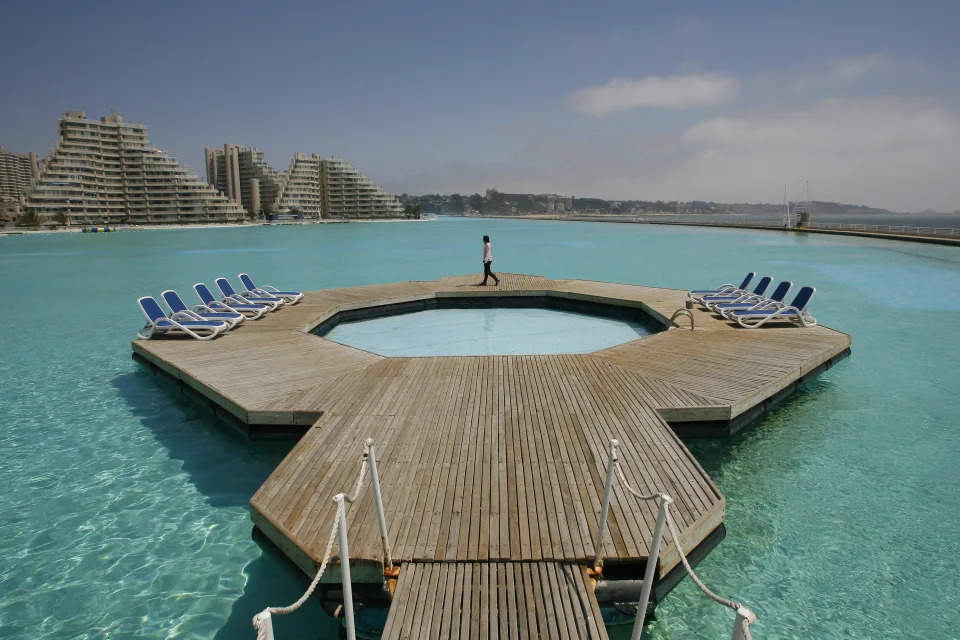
(864, 233)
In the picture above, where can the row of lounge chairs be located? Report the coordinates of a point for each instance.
(213, 316)
(752, 309)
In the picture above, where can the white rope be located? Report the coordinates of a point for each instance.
(748, 619)
(626, 485)
(261, 620)
(736, 606)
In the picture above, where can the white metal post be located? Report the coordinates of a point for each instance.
(743, 615)
(605, 511)
(652, 558)
(345, 570)
(378, 499)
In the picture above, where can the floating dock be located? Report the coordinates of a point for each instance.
(492, 468)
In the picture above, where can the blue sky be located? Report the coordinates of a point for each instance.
(683, 100)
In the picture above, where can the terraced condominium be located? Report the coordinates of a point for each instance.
(243, 175)
(17, 171)
(108, 172)
(350, 194)
(302, 191)
(311, 186)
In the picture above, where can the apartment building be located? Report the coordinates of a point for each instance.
(311, 186)
(17, 171)
(244, 176)
(347, 193)
(107, 171)
(302, 190)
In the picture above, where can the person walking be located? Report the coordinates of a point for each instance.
(487, 262)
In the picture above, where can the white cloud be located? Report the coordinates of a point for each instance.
(895, 153)
(855, 68)
(890, 152)
(838, 73)
(672, 92)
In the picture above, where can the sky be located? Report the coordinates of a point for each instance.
(706, 100)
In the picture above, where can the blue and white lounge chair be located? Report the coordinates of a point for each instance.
(750, 302)
(292, 297)
(708, 301)
(158, 323)
(227, 290)
(697, 294)
(250, 310)
(796, 312)
(200, 312)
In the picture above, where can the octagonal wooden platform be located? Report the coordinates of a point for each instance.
(495, 459)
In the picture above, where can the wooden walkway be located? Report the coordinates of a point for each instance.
(494, 601)
(492, 468)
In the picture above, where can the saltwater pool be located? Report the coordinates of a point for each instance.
(125, 507)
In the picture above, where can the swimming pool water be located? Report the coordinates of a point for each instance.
(486, 332)
(124, 508)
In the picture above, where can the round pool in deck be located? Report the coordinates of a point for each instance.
(486, 332)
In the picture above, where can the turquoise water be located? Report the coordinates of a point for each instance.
(486, 332)
(125, 508)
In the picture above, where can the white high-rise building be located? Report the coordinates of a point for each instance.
(17, 171)
(239, 170)
(311, 186)
(108, 172)
(302, 190)
(347, 193)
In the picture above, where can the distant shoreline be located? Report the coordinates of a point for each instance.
(904, 234)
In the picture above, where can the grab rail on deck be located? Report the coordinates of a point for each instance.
(744, 616)
(263, 621)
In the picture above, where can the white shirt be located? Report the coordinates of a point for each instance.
(487, 252)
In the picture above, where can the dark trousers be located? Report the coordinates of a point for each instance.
(487, 273)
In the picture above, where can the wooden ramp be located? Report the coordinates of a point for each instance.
(494, 601)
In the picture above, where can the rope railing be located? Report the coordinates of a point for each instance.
(263, 622)
(745, 617)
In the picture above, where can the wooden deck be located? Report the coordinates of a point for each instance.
(492, 468)
(494, 601)
(487, 458)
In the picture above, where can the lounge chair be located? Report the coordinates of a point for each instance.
(738, 296)
(250, 310)
(696, 294)
(200, 312)
(795, 312)
(227, 290)
(750, 302)
(158, 323)
(292, 297)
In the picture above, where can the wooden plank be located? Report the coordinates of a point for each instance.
(490, 459)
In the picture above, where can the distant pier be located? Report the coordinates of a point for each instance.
(492, 468)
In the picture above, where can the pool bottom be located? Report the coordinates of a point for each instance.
(489, 325)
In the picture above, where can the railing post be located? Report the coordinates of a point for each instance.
(378, 499)
(263, 622)
(652, 558)
(345, 569)
(743, 615)
(605, 511)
